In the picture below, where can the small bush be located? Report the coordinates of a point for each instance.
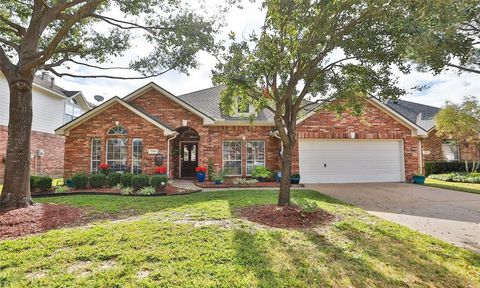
(126, 191)
(62, 189)
(307, 206)
(457, 177)
(158, 181)
(261, 172)
(114, 179)
(444, 167)
(126, 179)
(43, 183)
(32, 182)
(98, 180)
(80, 180)
(146, 191)
(139, 181)
(244, 181)
(210, 170)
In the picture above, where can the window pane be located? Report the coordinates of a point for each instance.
(232, 157)
(96, 154)
(255, 155)
(117, 154)
(137, 156)
(449, 150)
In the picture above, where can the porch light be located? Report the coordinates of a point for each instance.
(117, 123)
(352, 135)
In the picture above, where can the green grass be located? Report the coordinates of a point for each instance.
(197, 240)
(465, 187)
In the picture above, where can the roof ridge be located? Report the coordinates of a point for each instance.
(196, 91)
(416, 103)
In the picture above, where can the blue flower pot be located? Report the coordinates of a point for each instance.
(278, 176)
(418, 179)
(218, 182)
(201, 177)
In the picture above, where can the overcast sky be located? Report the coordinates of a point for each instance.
(446, 86)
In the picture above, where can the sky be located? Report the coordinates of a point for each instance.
(449, 85)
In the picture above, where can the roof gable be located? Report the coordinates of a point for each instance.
(64, 129)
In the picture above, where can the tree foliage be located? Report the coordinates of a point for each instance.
(461, 123)
(310, 52)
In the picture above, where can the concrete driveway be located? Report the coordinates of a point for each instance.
(448, 215)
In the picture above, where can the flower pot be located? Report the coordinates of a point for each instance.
(419, 179)
(201, 177)
(278, 176)
(70, 183)
(262, 179)
(295, 180)
(218, 182)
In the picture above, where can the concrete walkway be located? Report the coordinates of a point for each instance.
(448, 215)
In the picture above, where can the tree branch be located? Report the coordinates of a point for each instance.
(58, 74)
(464, 68)
(17, 29)
(117, 23)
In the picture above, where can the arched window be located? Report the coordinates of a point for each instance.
(117, 130)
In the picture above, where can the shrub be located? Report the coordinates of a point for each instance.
(457, 177)
(114, 179)
(32, 182)
(444, 167)
(261, 172)
(126, 191)
(210, 171)
(80, 180)
(306, 206)
(62, 189)
(157, 180)
(98, 180)
(126, 179)
(43, 183)
(139, 181)
(244, 181)
(146, 191)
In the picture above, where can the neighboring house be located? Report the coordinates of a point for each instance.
(435, 148)
(151, 127)
(52, 107)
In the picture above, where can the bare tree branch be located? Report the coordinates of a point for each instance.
(464, 68)
(131, 25)
(109, 76)
(98, 67)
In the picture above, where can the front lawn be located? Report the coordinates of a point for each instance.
(198, 240)
(465, 187)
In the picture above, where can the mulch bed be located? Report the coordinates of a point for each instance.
(37, 218)
(211, 184)
(285, 217)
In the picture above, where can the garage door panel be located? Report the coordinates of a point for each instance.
(350, 161)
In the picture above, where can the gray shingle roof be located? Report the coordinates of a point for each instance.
(47, 84)
(421, 114)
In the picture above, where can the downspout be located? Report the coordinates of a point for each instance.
(174, 135)
(420, 156)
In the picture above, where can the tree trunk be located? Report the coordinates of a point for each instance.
(16, 188)
(284, 195)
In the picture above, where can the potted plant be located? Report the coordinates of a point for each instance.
(419, 178)
(261, 173)
(201, 173)
(218, 178)
(295, 179)
(162, 170)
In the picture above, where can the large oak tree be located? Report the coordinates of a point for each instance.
(333, 53)
(49, 34)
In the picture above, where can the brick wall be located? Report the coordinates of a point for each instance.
(78, 143)
(50, 164)
(373, 124)
(433, 144)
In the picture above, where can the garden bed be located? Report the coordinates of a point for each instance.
(211, 184)
(290, 216)
(169, 191)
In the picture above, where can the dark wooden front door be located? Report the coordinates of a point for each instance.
(189, 159)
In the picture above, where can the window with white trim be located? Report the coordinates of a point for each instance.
(255, 155)
(72, 111)
(117, 154)
(450, 151)
(117, 130)
(96, 154)
(232, 158)
(137, 150)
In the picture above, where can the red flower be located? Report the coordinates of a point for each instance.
(201, 169)
(104, 166)
(160, 170)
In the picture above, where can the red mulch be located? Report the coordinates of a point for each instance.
(285, 217)
(37, 218)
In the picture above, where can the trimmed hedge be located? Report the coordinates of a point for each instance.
(457, 177)
(157, 180)
(126, 179)
(80, 180)
(114, 179)
(98, 180)
(139, 181)
(444, 167)
(43, 183)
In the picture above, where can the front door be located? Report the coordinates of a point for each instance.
(189, 159)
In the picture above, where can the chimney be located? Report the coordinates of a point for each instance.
(52, 82)
(45, 75)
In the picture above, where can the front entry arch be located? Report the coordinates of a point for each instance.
(188, 152)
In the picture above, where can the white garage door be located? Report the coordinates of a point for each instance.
(350, 161)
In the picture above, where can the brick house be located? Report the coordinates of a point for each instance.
(52, 107)
(151, 127)
(434, 148)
